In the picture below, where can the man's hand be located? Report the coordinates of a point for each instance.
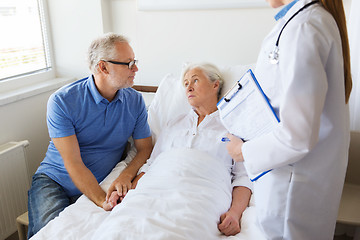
(229, 223)
(121, 185)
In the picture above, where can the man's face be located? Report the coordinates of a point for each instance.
(120, 76)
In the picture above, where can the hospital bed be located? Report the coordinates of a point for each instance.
(82, 219)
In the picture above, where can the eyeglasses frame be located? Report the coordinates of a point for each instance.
(129, 64)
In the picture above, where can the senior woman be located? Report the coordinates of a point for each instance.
(202, 129)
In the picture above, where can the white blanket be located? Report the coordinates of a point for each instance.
(181, 197)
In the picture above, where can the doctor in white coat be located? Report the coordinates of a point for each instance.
(304, 69)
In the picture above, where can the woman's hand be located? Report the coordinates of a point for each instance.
(113, 200)
(234, 147)
(136, 179)
(229, 223)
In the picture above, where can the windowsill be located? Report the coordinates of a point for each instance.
(32, 90)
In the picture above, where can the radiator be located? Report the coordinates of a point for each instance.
(14, 184)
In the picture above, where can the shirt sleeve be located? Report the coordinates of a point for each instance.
(142, 129)
(58, 118)
(240, 177)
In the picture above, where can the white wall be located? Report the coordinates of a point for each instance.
(73, 25)
(162, 40)
(26, 120)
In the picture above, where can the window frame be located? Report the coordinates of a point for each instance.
(38, 76)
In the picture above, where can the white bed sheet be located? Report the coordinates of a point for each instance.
(170, 202)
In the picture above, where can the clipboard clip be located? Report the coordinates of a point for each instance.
(239, 87)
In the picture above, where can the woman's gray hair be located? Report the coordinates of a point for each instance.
(103, 48)
(210, 70)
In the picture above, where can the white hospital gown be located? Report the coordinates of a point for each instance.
(183, 132)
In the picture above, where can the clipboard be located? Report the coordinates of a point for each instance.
(246, 112)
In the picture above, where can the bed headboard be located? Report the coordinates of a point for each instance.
(142, 88)
(147, 92)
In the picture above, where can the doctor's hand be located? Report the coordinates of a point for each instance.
(234, 147)
(229, 223)
(121, 185)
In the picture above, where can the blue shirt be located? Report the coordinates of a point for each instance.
(102, 128)
(284, 10)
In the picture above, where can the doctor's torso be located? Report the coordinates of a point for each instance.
(306, 89)
(309, 74)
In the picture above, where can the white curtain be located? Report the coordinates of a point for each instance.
(354, 39)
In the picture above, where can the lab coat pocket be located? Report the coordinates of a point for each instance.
(271, 191)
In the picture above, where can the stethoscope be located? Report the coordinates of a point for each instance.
(274, 55)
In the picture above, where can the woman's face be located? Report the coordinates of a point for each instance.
(278, 3)
(199, 89)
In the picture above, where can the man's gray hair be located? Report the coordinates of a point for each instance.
(210, 70)
(103, 48)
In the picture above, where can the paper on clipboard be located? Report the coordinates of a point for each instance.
(245, 110)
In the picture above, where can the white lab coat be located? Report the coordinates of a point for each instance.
(299, 199)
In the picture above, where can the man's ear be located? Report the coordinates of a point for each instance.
(102, 67)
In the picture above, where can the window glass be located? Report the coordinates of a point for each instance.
(23, 42)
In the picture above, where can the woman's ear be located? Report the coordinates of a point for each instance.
(217, 84)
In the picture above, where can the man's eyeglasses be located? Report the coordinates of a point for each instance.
(129, 64)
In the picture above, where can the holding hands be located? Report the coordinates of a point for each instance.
(118, 190)
(121, 185)
(111, 202)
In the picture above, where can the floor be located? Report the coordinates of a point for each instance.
(14, 236)
(343, 237)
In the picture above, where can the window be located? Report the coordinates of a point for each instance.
(23, 44)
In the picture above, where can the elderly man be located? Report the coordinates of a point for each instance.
(89, 123)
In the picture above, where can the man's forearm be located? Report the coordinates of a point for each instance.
(133, 167)
(81, 176)
(122, 184)
(86, 182)
(144, 148)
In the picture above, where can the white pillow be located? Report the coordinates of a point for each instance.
(170, 100)
(148, 97)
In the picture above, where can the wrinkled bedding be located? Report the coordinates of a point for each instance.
(181, 197)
